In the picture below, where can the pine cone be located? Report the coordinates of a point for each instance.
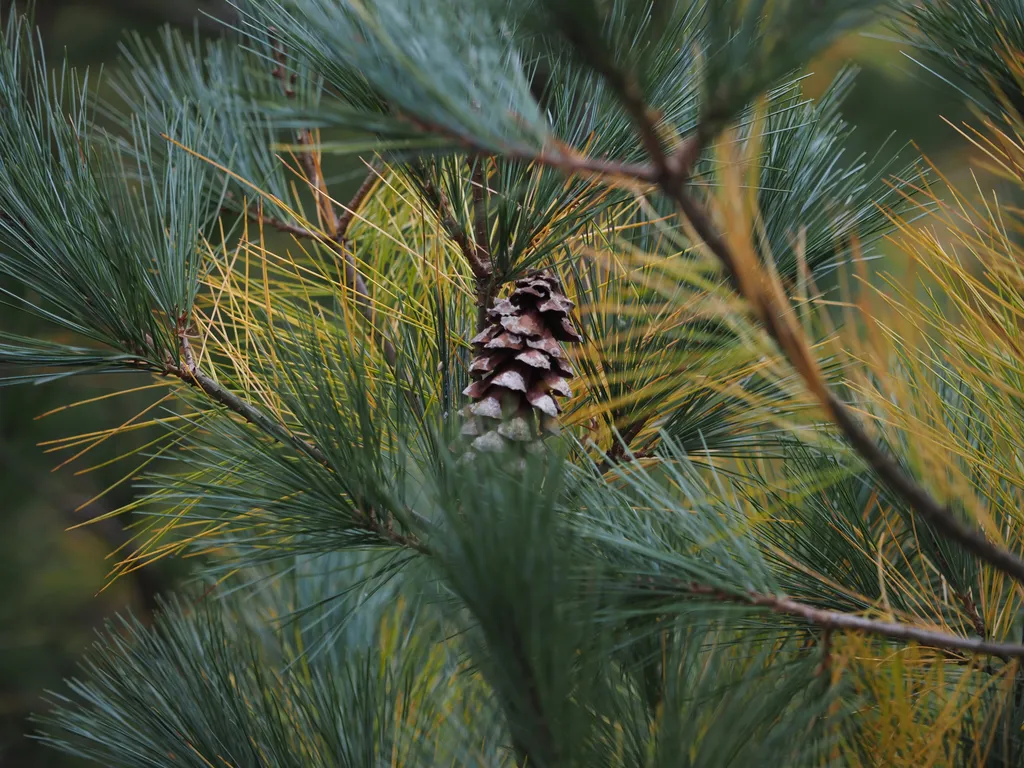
(519, 368)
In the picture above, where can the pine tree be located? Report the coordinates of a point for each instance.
(741, 537)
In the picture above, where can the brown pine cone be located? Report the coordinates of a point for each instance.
(519, 369)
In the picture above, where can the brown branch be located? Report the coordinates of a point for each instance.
(478, 184)
(971, 609)
(580, 164)
(476, 257)
(289, 228)
(646, 123)
(620, 447)
(450, 226)
(190, 373)
(561, 157)
(348, 215)
(310, 160)
(352, 276)
(940, 517)
(835, 620)
(964, 598)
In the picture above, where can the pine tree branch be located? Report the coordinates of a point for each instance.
(835, 620)
(620, 447)
(674, 184)
(446, 217)
(971, 609)
(632, 99)
(310, 160)
(336, 242)
(963, 597)
(352, 276)
(940, 517)
(289, 228)
(190, 373)
(571, 162)
(557, 156)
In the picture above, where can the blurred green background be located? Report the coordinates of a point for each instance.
(55, 592)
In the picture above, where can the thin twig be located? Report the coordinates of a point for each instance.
(971, 608)
(477, 258)
(626, 86)
(450, 226)
(941, 517)
(891, 630)
(483, 272)
(295, 230)
(620, 447)
(349, 214)
(836, 620)
(352, 275)
(314, 176)
(335, 241)
(581, 164)
(190, 373)
(964, 598)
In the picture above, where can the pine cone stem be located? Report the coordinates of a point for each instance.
(483, 303)
(481, 261)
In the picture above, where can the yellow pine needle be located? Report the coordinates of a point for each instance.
(64, 443)
(105, 396)
(125, 455)
(117, 430)
(142, 465)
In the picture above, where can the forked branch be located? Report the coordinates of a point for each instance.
(335, 226)
(673, 180)
(477, 256)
